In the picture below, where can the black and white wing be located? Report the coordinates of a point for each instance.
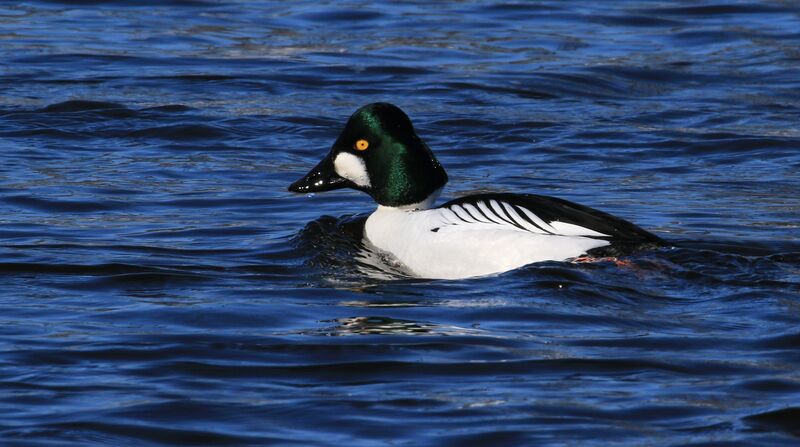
(544, 215)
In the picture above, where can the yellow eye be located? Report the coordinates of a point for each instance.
(361, 145)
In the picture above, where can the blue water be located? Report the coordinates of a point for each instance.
(159, 285)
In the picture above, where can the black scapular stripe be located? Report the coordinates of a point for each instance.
(498, 213)
(477, 207)
(529, 220)
(510, 219)
(470, 214)
(459, 215)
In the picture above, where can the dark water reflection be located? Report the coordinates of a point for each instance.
(160, 287)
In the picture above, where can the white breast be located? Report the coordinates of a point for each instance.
(461, 242)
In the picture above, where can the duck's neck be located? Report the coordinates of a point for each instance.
(425, 204)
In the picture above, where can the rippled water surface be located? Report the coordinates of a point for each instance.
(159, 285)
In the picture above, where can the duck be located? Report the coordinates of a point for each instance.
(379, 153)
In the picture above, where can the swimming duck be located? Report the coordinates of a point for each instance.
(379, 153)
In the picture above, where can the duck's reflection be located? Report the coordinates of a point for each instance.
(375, 264)
(377, 325)
(338, 246)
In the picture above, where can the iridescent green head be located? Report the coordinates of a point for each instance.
(379, 153)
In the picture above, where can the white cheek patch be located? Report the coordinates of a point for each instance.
(352, 168)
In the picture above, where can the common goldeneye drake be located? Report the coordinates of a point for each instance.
(379, 152)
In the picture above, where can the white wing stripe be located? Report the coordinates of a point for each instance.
(491, 215)
(497, 208)
(523, 222)
(536, 220)
(510, 216)
(504, 214)
(458, 211)
(568, 229)
(474, 213)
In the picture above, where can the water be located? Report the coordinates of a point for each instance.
(160, 286)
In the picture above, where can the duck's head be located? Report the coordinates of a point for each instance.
(379, 153)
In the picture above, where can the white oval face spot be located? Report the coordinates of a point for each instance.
(352, 168)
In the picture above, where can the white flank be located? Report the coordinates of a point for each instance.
(352, 168)
(447, 243)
